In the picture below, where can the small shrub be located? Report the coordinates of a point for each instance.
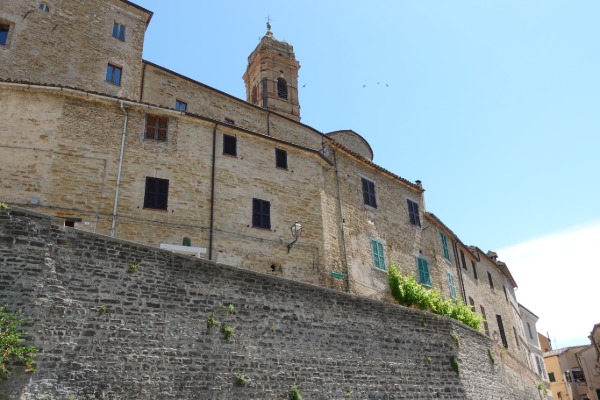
(231, 309)
(12, 347)
(349, 394)
(227, 332)
(542, 388)
(132, 267)
(102, 309)
(211, 321)
(429, 360)
(491, 356)
(4, 206)
(295, 393)
(241, 379)
(455, 366)
(455, 339)
(410, 293)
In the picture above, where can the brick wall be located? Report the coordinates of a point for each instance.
(153, 341)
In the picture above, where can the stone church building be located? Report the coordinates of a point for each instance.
(117, 145)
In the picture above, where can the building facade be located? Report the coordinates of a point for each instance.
(117, 145)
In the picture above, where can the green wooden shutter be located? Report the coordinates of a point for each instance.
(378, 256)
(424, 277)
(452, 285)
(445, 246)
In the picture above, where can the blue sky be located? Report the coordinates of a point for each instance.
(493, 105)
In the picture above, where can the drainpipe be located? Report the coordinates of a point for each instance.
(459, 269)
(212, 193)
(337, 181)
(114, 219)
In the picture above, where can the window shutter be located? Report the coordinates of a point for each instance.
(423, 266)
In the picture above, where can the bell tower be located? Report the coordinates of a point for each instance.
(271, 77)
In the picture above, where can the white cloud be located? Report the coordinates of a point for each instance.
(559, 280)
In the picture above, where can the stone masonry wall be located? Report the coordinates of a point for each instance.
(153, 341)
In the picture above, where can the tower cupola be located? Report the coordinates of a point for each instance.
(271, 77)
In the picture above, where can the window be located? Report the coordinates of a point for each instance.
(540, 366)
(551, 377)
(472, 304)
(462, 258)
(4, 34)
(368, 190)
(282, 90)
(254, 96)
(505, 294)
(501, 329)
(378, 255)
(452, 285)
(413, 213)
(423, 267)
(281, 159)
(578, 376)
(118, 31)
(486, 327)
(156, 127)
(44, 7)
(516, 336)
(180, 105)
(113, 74)
(490, 279)
(474, 269)
(229, 121)
(230, 145)
(261, 214)
(157, 193)
(445, 246)
(529, 330)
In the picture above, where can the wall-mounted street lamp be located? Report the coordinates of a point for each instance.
(296, 230)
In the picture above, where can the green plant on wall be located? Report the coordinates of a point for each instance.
(227, 331)
(542, 389)
(102, 309)
(132, 267)
(491, 356)
(211, 321)
(4, 206)
(295, 393)
(455, 339)
(241, 379)
(12, 343)
(454, 364)
(231, 309)
(410, 293)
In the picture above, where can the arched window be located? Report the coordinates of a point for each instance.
(44, 7)
(282, 91)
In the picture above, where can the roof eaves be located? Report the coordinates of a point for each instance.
(406, 182)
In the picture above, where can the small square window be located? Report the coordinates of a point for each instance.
(118, 31)
(413, 213)
(368, 190)
(281, 159)
(551, 377)
(113, 74)
(229, 121)
(4, 29)
(261, 214)
(180, 105)
(230, 145)
(424, 276)
(44, 7)
(378, 255)
(156, 127)
(157, 193)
